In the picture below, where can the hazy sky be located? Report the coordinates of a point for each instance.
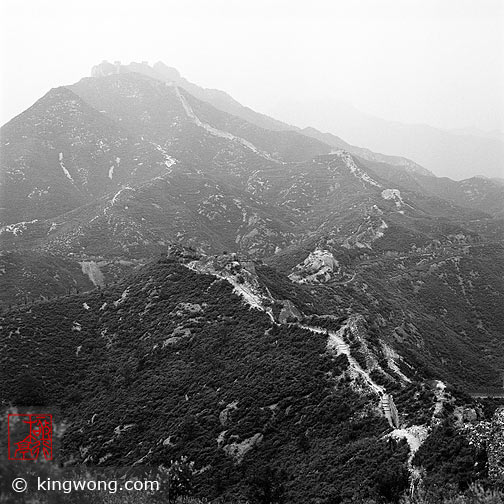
(439, 62)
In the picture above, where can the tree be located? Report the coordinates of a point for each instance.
(177, 480)
(303, 442)
(30, 392)
(266, 486)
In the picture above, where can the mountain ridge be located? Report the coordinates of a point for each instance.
(255, 298)
(223, 101)
(446, 153)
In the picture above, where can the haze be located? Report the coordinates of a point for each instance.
(429, 61)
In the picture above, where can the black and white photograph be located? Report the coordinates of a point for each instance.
(252, 252)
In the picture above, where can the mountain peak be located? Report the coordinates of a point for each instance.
(166, 71)
(159, 70)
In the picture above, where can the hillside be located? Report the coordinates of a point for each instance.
(61, 153)
(184, 345)
(199, 290)
(226, 103)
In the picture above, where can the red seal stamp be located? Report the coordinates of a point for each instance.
(30, 435)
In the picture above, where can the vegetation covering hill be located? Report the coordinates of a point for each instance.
(61, 152)
(199, 176)
(29, 276)
(222, 101)
(469, 192)
(305, 330)
(478, 193)
(199, 376)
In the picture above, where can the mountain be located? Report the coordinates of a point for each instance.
(271, 310)
(219, 99)
(457, 155)
(224, 102)
(202, 177)
(61, 152)
(225, 367)
(479, 193)
(137, 96)
(404, 164)
(464, 193)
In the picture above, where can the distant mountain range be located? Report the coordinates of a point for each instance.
(458, 154)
